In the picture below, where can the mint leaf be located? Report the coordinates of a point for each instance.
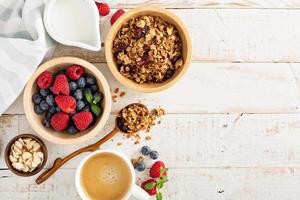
(160, 184)
(88, 96)
(96, 110)
(159, 196)
(149, 186)
(96, 99)
(163, 170)
(164, 179)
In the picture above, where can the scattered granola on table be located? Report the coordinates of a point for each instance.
(122, 94)
(148, 49)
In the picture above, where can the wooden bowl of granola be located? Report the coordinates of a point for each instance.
(148, 49)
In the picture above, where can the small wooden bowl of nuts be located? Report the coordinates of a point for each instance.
(26, 155)
(148, 49)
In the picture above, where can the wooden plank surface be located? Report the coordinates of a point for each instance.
(208, 3)
(189, 184)
(196, 140)
(210, 157)
(220, 88)
(245, 60)
(228, 35)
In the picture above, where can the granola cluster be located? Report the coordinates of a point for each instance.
(148, 49)
(136, 117)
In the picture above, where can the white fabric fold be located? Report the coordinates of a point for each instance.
(24, 43)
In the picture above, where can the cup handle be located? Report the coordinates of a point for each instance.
(139, 193)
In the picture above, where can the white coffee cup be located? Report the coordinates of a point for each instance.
(134, 190)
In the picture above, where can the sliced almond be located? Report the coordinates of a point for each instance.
(36, 146)
(34, 164)
(18, 165)
(21, 141)
(20, 159)
(27, 140)
(36, 158)
(17, 151)
(26, 155)
(40, 154)
(18, 144)
(30, 144)
(29, 163)
(12, 159)
(26, 168)
(141, 24)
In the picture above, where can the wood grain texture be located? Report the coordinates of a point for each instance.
(228, 35)
(208, 3)
(217, 88)
(210, 156)
(195, 140)
(190, 184)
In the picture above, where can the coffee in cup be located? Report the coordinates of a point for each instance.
(107, 175)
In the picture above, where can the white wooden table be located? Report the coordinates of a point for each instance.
(232, 129)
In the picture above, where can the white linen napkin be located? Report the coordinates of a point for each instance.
(24, 43)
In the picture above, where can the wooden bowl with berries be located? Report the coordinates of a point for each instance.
(148, 49)
(67, 100)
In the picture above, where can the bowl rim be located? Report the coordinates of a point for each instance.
(7, 151)
(130, 83)
(27, 102)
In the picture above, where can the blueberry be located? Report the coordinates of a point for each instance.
(44, 92)
(52, 110)
(50, 100)
(73, 86)
(72, 129)
(80, 105)
(78, 94)
(94, 88)
(154, 155)
(49, 115)
(44, 106)
(57, 109)
(90, 80)
(81, 82)
(145, 150)
(86, 109)
(36, 98)
(121, 124)
(46, 123)
(87, 90)
(140, 166)
(38, 110)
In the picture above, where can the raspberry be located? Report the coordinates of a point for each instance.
(61, 85)
(74, 72)
(155, 170)
(82, 120)
(150, 186)
(59, 121)
(45, 80)
(103, 8)
(66, 103)
(116, 16)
